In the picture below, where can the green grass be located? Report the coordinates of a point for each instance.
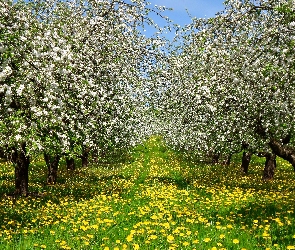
(154, 200)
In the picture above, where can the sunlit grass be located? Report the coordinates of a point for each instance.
(157, 201)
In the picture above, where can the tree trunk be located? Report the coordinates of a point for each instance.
(21, 170)
(245, 162)
(70, 164)
(228, 159)
(282, 151)
(215, 158)
(84, 157)
(2, 154)
(52, 166)
(270, 166)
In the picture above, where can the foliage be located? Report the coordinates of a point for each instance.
(232, 79)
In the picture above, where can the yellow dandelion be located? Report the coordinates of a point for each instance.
(135, 246)
(236, 241)
(207, 239)
(196, 241)
(290, 247)
(170, 238)
(129, 238)
(153, 237)
(185, 243)
(43, 246)
(222, 236)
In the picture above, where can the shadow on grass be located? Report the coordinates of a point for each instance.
(269, 213)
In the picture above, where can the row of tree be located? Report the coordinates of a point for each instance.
(72, 79)
(232, 85)
(79, 76)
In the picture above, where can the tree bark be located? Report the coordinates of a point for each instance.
(246, 162)
(228, 160)
(270, 166)
(84, 157)
(52, 166)
(21, 170)
(215, 158)
(70, 164)
(282, 151)
(2, 154)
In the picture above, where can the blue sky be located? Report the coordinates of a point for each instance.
(197, 8)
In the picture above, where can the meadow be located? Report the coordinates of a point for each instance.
(155, 199)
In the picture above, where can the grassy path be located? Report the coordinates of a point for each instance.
(156, 201)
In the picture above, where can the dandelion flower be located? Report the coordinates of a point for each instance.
(236, 241)
(153, 237)
(129, 237)
(170, 238)
(185, 243)
(222, 236)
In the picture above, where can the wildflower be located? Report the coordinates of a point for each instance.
(222, 236)
(236, 241)
(170, 238)
(185, 243)
(207, 239)
(129, 238)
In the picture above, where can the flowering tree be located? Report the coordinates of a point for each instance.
(71, 74)
(234, 77)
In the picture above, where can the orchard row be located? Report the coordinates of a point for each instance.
(80, 76)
